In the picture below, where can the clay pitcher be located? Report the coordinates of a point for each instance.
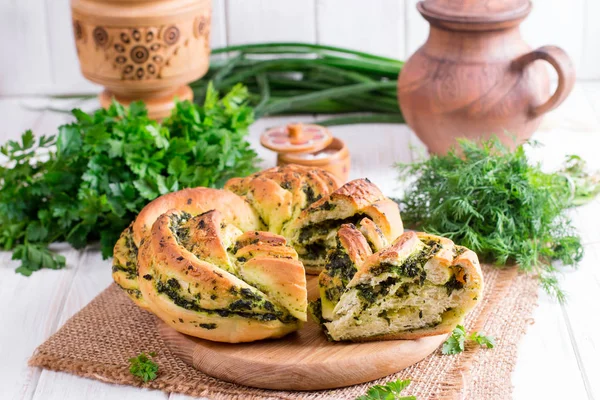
(143, 49)
(475, 76)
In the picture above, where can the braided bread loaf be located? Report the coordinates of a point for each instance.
(421, 285)
(216, 264)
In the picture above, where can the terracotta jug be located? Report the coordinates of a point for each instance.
(476, 77)
(143, 49)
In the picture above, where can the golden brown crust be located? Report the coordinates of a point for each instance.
(197, 201)
(386, 216)
(279, 194)
(211, 297)
(234, 210)
(400, 249)
(354, 243)
(282, 279)
(356, 199)
(350, 198)
(374, 235)
(207, 238)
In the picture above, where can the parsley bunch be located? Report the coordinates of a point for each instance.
(389, 391)
(143, 367)
(89, 182)
(492, 200)
(456, 341)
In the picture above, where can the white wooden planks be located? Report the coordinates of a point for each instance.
(559, 23)
(36, 37)
(592, 91)
(25, 61)
(374, 149)
(546, 360)
(376, 27)
(66, 74)
(591, 50)
(270, 21)
(91, 277)
(583, 321)
(30, 313)
(218, 29)
(417, 29)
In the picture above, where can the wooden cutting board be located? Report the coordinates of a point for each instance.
(303, 360)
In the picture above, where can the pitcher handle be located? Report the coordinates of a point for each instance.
(561, 62)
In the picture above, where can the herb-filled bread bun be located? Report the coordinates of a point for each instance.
(280, 194)
(206, 278)
(350, 252)
(358, 202)
(234, 210)
(421, 285)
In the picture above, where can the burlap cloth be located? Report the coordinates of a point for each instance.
(98, 341)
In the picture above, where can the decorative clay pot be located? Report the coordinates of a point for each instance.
(143, 49)
(476, 77)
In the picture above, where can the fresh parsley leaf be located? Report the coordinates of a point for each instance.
(494, 201)
(456, 341)
(89, 182)
(35, 257)
(143, 367)
(389, 391)
(483, 340)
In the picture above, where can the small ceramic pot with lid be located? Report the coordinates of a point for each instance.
(309, 145)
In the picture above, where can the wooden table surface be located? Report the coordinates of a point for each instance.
(559, 357)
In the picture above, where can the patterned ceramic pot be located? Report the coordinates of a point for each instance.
(142, 49)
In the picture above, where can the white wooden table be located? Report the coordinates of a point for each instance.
(559, 358)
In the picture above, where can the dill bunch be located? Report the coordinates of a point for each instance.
(492, 200)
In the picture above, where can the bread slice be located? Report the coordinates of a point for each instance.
(314, 232)
(421, 285)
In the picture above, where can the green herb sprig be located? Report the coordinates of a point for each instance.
(143, 367)
(585, 186)
(89, 181)
(456, 341)
(389, 391)
(495, 202)
(305, 78)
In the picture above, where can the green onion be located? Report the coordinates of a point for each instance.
(304, 78)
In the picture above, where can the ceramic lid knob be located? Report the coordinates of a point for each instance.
(296, 138)
(295, 133)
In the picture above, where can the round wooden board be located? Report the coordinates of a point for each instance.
(303, 360)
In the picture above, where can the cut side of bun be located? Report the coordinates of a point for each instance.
(421, 285)
(314, 232)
